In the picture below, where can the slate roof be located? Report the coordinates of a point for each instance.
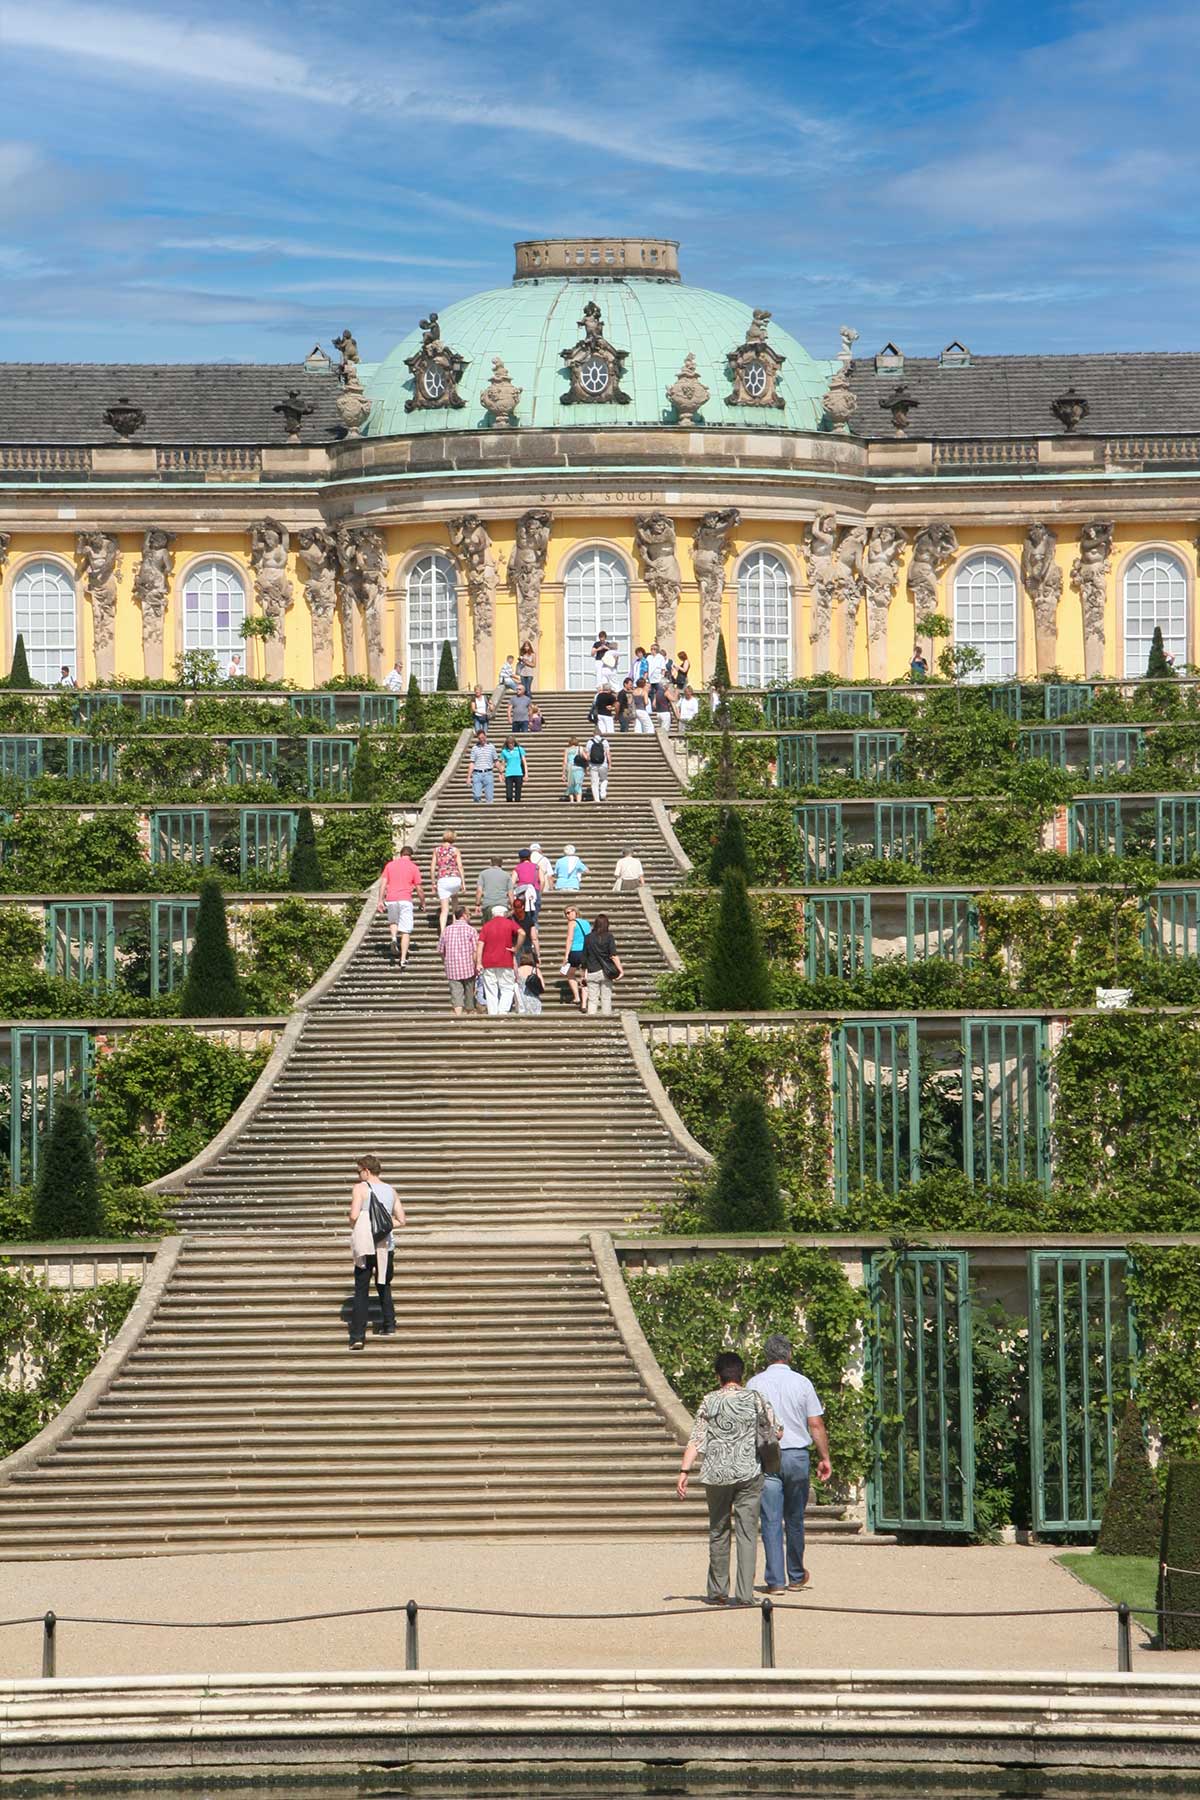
(1010, 396)
(184, 403)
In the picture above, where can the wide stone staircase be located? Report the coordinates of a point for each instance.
(507, 1402)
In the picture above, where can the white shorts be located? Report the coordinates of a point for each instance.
(400, 912)
(448, 886)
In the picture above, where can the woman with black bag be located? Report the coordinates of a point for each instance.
(375, 1210)
(601, 965)
(735, 1438)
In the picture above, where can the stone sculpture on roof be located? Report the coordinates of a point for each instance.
(436, 370)
(151, 580)
(318, 552)
(934, 548)
(881, 573)
(272, 589)
(654, 534)
(687, 393)
(353, 403)
(99, 556)
(1070, 409)
(1089, 578)
(293, 410)
(124, 417)
(500, 397)
(820, 561)
(839, 401)
(526, 569)
(595, 366)
(756, 366)
(849, 338)
(900, 403)
(1042, 580)
(711, 549)
(472, 548)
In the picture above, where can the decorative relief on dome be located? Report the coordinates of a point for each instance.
(687, 393)
(711, 550)
(655, 536)
(436, 370)
(526, 569)
(756, 366)
(500, 396)
(594, 366)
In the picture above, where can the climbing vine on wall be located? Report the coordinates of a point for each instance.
(54, 1339)
(1164, 1283)
(691, 1312)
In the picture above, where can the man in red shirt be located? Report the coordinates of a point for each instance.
(498, 940)
(401, 879)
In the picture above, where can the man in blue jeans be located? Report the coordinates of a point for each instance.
(793, 1399)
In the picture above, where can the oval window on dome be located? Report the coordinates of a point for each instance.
(593, 375)
(754, 380)
(434, 382)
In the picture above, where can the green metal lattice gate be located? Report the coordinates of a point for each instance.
(45, 1062)
(923, 1462)
(1081, 1353)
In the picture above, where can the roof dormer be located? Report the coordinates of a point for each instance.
(889, 361)
(955, 356)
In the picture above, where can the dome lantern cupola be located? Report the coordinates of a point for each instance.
(592, 258)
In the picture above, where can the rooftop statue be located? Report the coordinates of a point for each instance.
(756, 366)
(595, 366)
(436, 370)
(500, 397)
(687, 393)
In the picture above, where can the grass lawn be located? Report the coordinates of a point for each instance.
(1133, 1579)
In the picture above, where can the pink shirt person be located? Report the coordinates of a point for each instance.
(401, 878)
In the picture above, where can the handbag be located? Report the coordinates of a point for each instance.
(380, 1215)
(766, 1444)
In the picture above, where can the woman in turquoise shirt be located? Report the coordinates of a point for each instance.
(513, 758)
(572, 963)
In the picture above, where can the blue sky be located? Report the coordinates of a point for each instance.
(235, 183)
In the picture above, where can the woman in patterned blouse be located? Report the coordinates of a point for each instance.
(724, 1438)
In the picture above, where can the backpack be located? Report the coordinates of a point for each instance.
(597, 755)
(381, 1216)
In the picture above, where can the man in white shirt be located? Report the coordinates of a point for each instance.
(393, 681)
(793, 1399)
(656, 669)
(687, 709)
(545, 867)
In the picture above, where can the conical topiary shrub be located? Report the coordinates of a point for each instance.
(414, 707)
(1157, 665)
(212, 989)
(66, 1200)
(1132, 1521)
(19, 676)
(745, 1192)
(725, 782)
(736, 976)
(364, 776)
(304, 865)
(720, 676)
(447, 676)
(730, 850)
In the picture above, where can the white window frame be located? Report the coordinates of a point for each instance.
(51, 632)
(431, 616)
(764, 619)
(986, 614)
(596, 596)
(214, 578)
(1154, 591)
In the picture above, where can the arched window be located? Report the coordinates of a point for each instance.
(1155, 594)
(985, 615)
(432, 590)
(214, 606)
(764, 620)
(43, 612)
(596, 588)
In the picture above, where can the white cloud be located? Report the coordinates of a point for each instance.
(155, 45)
(313, 251)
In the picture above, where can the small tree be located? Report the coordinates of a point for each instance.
(1157, 666)
(721, 678)
(736, 975)
(1132, 1521)
(725, 781)
(66, 1200)
(304, 868)
(414, 707)
(730, 850)
(364, 776)
(19, 676)
(1179, 1556)
(447, 675)
(212, 989)
(745, 1192)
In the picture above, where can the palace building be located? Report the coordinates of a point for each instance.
(598, 444)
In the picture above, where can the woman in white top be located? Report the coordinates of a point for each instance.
(628, 873)
(447, 874)
(372, 1256)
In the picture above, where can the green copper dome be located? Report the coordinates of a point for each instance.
(656, 320)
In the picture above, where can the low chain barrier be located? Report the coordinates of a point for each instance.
(412, 1611)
